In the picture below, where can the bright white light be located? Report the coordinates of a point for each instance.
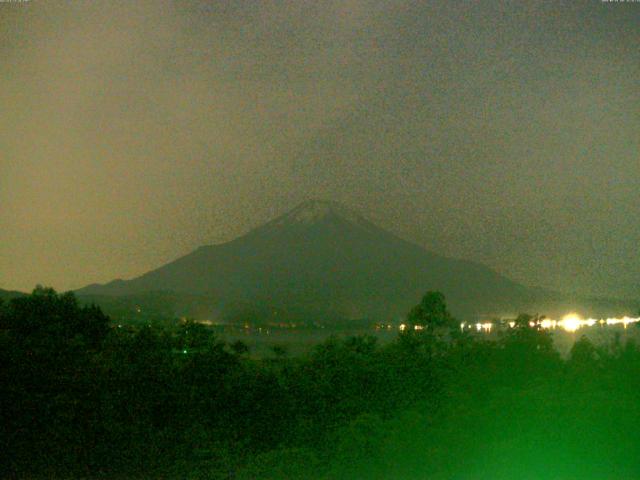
(548, 323)
(487, 326)
(571, 322)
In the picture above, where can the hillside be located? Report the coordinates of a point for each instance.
(9, 294)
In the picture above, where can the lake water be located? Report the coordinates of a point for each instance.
(299, 341)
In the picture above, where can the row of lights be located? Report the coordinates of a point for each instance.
(569, 323)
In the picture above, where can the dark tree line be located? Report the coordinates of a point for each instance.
(83, 398)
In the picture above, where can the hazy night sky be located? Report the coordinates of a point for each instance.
(504, 132)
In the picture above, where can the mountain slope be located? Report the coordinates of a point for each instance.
(6, 295)
(325, 259)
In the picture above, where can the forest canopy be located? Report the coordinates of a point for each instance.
(82, 397)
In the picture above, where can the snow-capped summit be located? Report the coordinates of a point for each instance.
(313, 211)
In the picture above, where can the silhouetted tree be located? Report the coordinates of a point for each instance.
(523, 320)
(47, 315)
(583, 352)
(194, 335)
(48, 399)
(431, 312)
(280, 351)
(239, 347)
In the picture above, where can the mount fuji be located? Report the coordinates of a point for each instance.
(323, 260)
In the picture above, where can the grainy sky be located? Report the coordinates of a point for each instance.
(132, 132)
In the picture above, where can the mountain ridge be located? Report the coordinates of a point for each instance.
(6, 295)
(324, 260)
